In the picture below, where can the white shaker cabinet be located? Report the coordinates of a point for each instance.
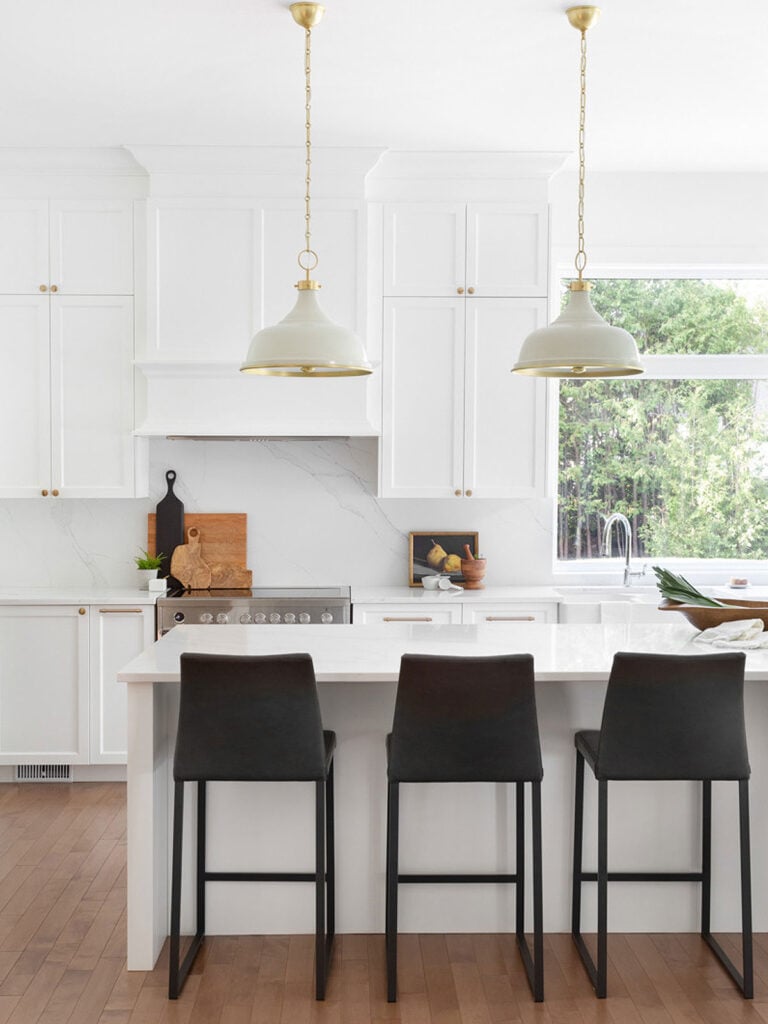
(456, 422)
(44, 676)
(67, 247)
(482, 249)
(439, 614)
(118, 634)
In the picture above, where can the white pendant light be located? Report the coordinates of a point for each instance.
(579, 343)
(307, 343)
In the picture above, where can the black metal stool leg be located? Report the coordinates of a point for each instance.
(393, 816)
(746, 890)
(520, 861)
(320, 839)
(538, 900)
(178, 827)
(578, 844)
(201, 834)
(602, 889)
(330, 858)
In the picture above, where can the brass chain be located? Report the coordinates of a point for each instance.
(308, 142)
(581, 255)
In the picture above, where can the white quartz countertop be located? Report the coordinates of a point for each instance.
(489, 595)
(77, 595)
(371, 653)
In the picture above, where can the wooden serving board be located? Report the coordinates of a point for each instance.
(223, 536)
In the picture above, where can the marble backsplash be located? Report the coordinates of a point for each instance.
(313, 520)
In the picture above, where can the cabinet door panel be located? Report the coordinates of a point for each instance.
(381, 613)
(202, 279)
(424, 248)
(507, 248)
(25, 455)
(92, 396)
(423, 401)
(43, 685)
(118, 636)
(508, 614)
(505, 413)
(92, 247)
(23, 246)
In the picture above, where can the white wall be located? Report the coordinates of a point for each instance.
(312, 515)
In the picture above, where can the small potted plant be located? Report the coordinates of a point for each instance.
(147, 566)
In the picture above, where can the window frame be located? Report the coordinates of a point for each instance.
(608, 571)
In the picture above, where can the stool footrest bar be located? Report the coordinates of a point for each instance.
(260, 876)
(458, 878)
(644, 876)
(725, 960)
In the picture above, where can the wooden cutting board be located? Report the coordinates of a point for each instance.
(223, 536)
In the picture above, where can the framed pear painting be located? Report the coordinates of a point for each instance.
(432, 552)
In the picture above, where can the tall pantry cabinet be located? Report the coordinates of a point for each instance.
(464, 283)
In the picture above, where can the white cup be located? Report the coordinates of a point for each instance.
(431, 582)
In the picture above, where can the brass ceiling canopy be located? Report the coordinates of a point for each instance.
(307, 343)
(579, 343)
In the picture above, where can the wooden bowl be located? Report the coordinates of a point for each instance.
(473, 571)
(704, 618)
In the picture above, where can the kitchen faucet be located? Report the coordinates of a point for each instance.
(618, 517)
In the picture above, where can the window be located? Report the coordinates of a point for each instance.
(683, 450)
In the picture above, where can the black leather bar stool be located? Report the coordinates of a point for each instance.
(467, 720)
(666, 717)
(252, 719)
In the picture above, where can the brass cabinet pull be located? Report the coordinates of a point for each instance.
(120, 611)
(457, 493)
(471, 291)
(459, 291)
(81, 611)
(510, 618)
(43, 287)
(411, 618)
(44, 493)
(468, 493)
(55, 288)
(55, 493)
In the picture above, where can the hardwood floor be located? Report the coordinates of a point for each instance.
(62, 952)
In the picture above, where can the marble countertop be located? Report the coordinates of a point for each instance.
(77, 595)
(371, 653)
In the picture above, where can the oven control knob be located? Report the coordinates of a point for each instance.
(259, 617)
(206, 617)
(326, 617)
(246, 618)
(305, 617)
(290, 617)
(178, 617)
(274, 616)
(222, 617)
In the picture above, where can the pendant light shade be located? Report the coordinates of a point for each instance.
(580, 343)
(307, 343)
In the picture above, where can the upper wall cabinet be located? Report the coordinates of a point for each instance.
(491, 250)
(70, 247)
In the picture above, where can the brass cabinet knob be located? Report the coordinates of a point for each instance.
(55, 493)
(44, 493)
(470, 290)
(457, 493)
(81, 611)
(43, 287)
(468, 493)
(459, 291)
(55, 288)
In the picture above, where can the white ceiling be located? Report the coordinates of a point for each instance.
(679, 85)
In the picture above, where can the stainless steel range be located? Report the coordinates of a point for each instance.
(260, 606)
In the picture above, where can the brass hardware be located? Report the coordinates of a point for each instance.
(43, 287)
(412, 618)
(459, 291)
(54, 287)
(307, 15)
(510, 618)
(581, 17)
(580, 286)
(457, 493)
(119, 611)
(468, 494)
(44, 493)
(55, 493)
(471, 291)
(81, 611)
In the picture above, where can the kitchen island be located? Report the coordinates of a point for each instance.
(444, 827)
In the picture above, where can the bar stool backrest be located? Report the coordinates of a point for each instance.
(465, 720)
(674, 717)
(249, 718)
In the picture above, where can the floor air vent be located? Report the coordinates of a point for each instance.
(43, 773)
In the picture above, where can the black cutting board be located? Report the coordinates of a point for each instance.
(170, 524)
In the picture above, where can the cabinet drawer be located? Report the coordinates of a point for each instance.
(436, 613)
(505, 614)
